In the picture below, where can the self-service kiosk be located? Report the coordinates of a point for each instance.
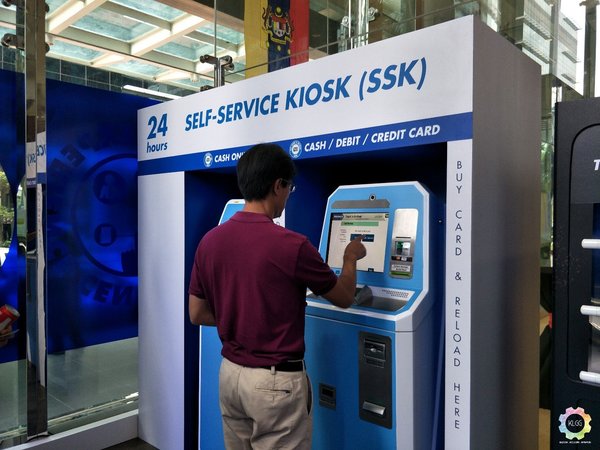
(373, 366)
(576, 314)
(452, 106)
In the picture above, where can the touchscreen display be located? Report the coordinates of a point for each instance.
(343, 227)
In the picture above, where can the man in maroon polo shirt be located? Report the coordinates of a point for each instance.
(249, 279)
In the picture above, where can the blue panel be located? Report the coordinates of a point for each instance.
(92, 215)
(230, 210)
(12, 152)
(205, 195)
(12, 160)
(92, 211)
(336, 364)
(211, 425)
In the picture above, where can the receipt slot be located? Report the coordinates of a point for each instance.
(377, 358)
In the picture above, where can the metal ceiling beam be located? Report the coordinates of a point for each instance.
(69, 13)
(93, 40)
(169, 61)
(114, 46)
(210, 39)
(160, 37)
(110, 45)
(8, 16)
(59, 27)
(207, 12)
(159, 59)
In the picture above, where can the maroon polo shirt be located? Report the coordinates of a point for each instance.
(254, 274)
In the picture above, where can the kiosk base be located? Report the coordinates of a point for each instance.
(369, 386)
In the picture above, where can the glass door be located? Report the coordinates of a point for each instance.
(13, 336)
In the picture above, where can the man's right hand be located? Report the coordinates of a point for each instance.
(342, 294)
(355, 249)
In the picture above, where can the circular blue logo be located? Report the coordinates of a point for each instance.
(109, 186)
(208, 159)
(295, 149)
(104, 215)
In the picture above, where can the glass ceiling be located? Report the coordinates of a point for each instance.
(143, 39)
(155, 9)
(153, 41)
(110, 24)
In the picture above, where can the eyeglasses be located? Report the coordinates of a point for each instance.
(284, 183)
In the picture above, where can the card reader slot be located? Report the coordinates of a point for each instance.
(374, 349)
(327, 396)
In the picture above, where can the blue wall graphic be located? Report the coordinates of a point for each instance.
(91, 213)
(12, 160)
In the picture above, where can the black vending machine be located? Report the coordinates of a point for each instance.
(575, 421)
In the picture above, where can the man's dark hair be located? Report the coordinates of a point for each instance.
(259, 167)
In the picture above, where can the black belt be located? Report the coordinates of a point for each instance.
(287, 366)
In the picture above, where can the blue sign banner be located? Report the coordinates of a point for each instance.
(407, 134)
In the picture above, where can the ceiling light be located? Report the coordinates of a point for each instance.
(160, 37)
(152, 92)
(150, 42)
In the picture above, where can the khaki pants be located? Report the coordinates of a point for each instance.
(264, 409)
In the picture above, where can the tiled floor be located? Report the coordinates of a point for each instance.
(91, 376)
(77, 379)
